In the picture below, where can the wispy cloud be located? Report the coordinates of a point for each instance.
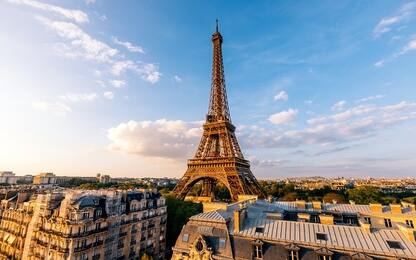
(147, 71)
(340, 105)
(117, 83)
(369, 98)
(353, 124)
(108, 95)
(283, 117)
(128, 45)
(80, 43)
(177, 78)
(403, 14)
(79, 97)
(56, 108)
(75, 15)
(281, 96)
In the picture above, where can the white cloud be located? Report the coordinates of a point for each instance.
(283, 117)
(89, 2)
(345, 115)
(266, 163)
(79, 97)
(385, 25)
(117, 83)
(55, 108)
(370, 98)
(75, 15)
(177, 78)
(340, 105)
(103, 17)
(108, 95)
(411, 46)
(147, 71)
(128, 45)
(379, 63)
(354, 124)
(282, 95)
(161, 138)
(80, 43)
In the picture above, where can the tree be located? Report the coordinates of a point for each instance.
(291, 196)
(365, 195)
(332, 196)
(179, 212)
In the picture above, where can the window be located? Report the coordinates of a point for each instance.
(409, 223)
(259, 229)
(387, 222)
(222, 243)
(367, 220)
(293, 255)
(321, 236)
(85, 215)
(185, 238)
(258, 251)
(394, 244)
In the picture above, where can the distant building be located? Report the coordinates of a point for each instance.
(99, 224)
(44, 178)
(102, 178)
(8, 177)
(258, 229)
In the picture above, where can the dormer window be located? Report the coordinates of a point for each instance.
(85, 215)
(387, 222)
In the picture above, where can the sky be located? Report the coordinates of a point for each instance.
(122, 88)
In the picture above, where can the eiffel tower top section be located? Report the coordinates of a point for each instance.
(218, 105)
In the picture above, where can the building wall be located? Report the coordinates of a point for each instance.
(103, 226)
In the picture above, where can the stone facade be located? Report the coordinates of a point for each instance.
(84, 225)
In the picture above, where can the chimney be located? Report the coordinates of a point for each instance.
(396, 208)
(376, 208)
(326, 219)
(239, 217)
(317, 205)
(366, 227)
(304, 217)
(300, 204)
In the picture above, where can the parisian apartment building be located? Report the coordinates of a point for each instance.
(299, 230)
(76, 224)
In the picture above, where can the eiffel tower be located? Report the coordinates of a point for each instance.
(219, 158)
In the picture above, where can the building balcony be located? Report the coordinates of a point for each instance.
(82, 248)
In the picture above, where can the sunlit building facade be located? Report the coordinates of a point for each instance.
(84, 225)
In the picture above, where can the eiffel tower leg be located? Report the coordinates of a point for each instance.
(207, 188)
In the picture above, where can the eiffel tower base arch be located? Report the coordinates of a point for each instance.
(238, 179)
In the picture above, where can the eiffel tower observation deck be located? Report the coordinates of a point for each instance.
(218, 158)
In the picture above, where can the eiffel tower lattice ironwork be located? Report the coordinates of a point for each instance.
(218, 158)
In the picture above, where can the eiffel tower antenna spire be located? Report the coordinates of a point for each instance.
(218, 105)
(216, 27)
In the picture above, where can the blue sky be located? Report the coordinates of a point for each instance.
(314, 89)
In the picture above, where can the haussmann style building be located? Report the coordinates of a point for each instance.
(81, 225)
